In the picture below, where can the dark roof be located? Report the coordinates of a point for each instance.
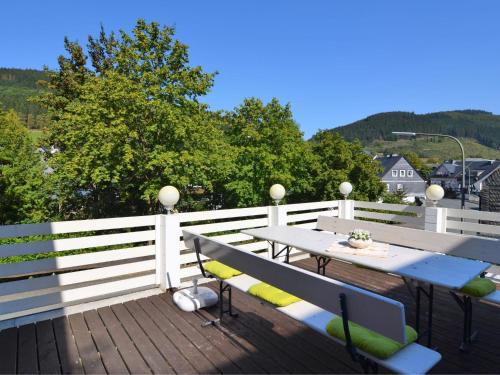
(388, 162)
(454, 168)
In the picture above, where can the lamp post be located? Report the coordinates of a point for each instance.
(277, 193)
(168, 197)
(434, 193)
(414, 134)
(345, 189)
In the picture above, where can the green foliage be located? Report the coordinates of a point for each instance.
(17, 86)
(131, 125)
(396, 197)
(126, 119)
(341, 161)
(433, 150)
(479, 125)
(23, 193)
(269, 149)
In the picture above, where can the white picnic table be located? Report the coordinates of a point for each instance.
(415, 266)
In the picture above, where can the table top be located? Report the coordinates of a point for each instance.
(426, 266)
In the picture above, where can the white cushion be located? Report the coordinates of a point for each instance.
(309, 314)
(242, 282)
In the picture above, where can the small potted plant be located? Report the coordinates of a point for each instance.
(360, 238)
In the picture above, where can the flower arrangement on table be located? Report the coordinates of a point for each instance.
(360, 238)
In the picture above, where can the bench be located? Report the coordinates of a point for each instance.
(471, 247)
(319, 301)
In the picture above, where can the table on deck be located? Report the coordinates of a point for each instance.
(419, 266)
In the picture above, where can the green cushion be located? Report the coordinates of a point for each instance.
(220, 270)
(479, 287)
(369, 341)
(272, 294)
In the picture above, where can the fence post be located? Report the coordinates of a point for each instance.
(346, 209)
(276, 216)
(167, 241)
(435, 219)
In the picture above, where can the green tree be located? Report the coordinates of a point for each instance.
(424, 170)
(269, 149)
(130, 124)
(23, 190)
(341, 161)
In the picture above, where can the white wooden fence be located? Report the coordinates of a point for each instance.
(398, 214)
(108, 257)
(80, 261)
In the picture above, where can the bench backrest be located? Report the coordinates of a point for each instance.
(485, 249)
(375, 312)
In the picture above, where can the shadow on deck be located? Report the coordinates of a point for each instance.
(151, 335)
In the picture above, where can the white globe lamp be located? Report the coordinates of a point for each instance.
(434, 193)
(168, 197)
(345, 189)
(277, 193)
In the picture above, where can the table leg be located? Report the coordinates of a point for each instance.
(430, 310)
(321, 263)
(468, 335)
(286, 249)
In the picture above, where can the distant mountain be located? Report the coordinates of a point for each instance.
(482, 126)
(16, 86)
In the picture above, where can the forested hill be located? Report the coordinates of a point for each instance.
(16, 86)
(479, 125)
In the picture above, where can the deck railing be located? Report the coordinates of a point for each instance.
(53, 265)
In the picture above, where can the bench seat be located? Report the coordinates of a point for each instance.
(492, 297)
(336, 298)
(414, 358)
(242, 282)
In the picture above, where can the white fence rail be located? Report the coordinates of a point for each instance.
(472, 222)
(67, 263)
(398, 214)
(52, 265)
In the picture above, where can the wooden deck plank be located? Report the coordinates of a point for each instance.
(285, 341)
(108, 352)
(145, 333)
(251, 348)
(193, 355)
(271, 356)
(66, 347)
(89, 354)
(169, 351)
(8, 353)
(223, 351)
(125, 345)
(48, 359)
(149, 352)
(27, 361)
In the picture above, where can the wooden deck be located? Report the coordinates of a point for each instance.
(152, 336)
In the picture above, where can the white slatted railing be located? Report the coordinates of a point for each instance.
(398, 214)
(41, 271)
(473, 222)
(52, 265)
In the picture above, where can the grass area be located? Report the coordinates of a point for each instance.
(434, 148)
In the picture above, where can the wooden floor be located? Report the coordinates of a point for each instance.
(152, 336)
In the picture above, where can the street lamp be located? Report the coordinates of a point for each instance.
(414, 134)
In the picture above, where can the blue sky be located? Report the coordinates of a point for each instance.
(334, 61)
